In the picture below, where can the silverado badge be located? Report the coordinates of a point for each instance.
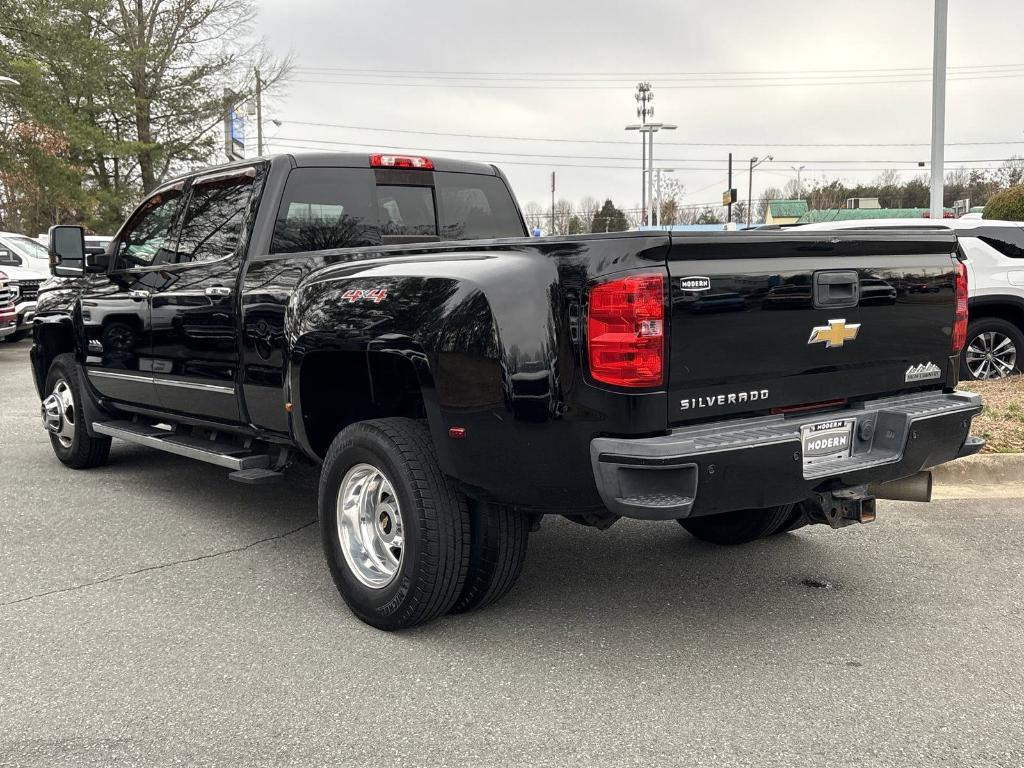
(835, 334)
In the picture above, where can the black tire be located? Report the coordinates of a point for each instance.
(797, 519)
(739, 527)
(434, 517)
(994, 325)
(83, 451)
(16, 336)
(496, 555)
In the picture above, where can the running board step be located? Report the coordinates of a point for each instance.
(255, 476)
(210, 451)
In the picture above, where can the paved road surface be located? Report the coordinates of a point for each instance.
(151, 612)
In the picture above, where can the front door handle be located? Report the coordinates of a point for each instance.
(139, 294)
(218, 290)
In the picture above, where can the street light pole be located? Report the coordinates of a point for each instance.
(259, 114)
(754, 162)
(938, 107)
(657, 205)
(799, 189)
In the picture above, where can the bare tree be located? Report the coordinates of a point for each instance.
(767, 195)
(587, 209)
(1011, 172)
(535, 216)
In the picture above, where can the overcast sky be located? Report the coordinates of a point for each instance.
(592, 53)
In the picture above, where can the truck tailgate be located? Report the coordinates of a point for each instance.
(778, 319)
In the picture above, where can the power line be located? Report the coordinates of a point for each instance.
(540, 85)
(633, 75)
(838, 79)
(306, 144)
(630, 143)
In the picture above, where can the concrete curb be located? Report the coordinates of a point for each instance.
(988, 469)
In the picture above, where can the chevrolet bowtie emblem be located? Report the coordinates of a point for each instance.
(835, 334)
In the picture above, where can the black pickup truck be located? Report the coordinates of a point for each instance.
(387, 318)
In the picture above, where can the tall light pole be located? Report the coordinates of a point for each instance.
(657, 205)
(651, 129)
(644, 96)
(754, 162)
(938, 107)
(798, 169)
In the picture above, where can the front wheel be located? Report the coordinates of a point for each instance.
(740, 526)
(993, 350)
(63, 418)
(395, 530)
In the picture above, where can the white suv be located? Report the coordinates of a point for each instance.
(27, 265)
(994, 251)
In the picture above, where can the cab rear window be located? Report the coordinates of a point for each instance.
(326, 208)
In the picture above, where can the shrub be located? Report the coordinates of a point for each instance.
(1007, 205)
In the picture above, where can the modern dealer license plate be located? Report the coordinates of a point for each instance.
(827, 440)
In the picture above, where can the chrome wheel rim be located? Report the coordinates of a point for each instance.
(370, 526)
(59, 413)
(991, 355)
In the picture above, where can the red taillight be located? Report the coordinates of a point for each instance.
(960, 321)
(401, 161)
(626, 331)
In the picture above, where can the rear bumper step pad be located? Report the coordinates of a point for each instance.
(757, 462)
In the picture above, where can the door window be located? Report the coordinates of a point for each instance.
(214, 219)
(147, 239)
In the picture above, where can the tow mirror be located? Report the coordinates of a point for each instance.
(67, 251)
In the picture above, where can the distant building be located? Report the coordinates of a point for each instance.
(850, 214)
(785, 211)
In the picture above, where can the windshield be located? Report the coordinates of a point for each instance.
(33, 255)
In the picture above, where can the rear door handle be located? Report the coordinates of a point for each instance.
(139, 294)
(218, 290)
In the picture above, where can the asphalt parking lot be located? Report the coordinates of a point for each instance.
(151, 612)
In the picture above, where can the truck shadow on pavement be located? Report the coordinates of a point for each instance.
(627, 584)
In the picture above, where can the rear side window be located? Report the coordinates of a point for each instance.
(214, 219)
(475, 207)
(1009, 241)
(326, 208)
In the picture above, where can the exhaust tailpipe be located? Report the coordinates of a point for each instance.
(913, 488)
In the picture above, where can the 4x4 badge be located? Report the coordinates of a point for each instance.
(835, 334)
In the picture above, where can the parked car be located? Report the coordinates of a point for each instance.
(388, 318)
(8, 315)
(994, 254)
(27, 265)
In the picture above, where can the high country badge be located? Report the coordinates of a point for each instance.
(923, 372)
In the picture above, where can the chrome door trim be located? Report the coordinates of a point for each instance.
(142, 378)
(195, 385)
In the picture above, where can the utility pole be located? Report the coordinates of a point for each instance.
(259, 114)
(728, 217)
(938, 108)
(552, 202)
